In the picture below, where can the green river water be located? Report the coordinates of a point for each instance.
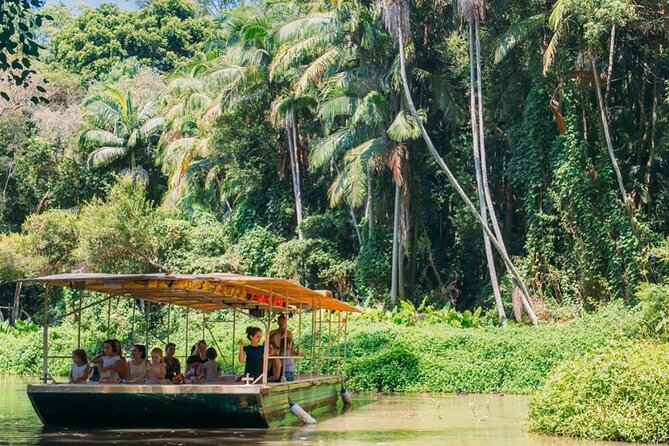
(493, 420)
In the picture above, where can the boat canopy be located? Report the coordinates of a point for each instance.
(204, 292)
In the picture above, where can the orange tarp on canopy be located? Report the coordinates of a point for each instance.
(204, 292)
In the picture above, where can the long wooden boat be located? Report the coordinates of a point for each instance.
(225, 403)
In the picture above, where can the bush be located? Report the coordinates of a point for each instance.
(513, 359)
(618, 393)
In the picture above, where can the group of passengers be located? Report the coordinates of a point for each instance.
(111, 367)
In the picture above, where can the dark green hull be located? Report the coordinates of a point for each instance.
(197, 405)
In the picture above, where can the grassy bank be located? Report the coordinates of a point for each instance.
(384, 356)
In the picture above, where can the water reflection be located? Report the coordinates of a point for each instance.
(374, 420)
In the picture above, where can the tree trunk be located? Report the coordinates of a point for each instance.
(609, 71)
(369, 208)
(13, 317)
(456, 185)
(653, 136)
(475, 121)
(396, 234)
(353, 217)
(607, 137)
(401, 289)
(291, 132)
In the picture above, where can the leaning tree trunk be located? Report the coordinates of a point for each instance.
(477, 137)
(291, 132)
(456, 185)
(396, 241)
(369, 208)
(609, 144)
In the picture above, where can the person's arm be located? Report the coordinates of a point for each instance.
(276, 371)
(70, 376)
(162, 372)
(242, 356)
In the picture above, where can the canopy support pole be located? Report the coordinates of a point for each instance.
(169, 319)
(265, 362)
(147, 308)
(132, 327)
(234, 324)
(109, 318)
(299, 336)
(79, 319)
(187, 313)
(45, 336)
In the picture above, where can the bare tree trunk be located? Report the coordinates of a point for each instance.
(609, 71)
(16, 306)
(369, 208)
(401, 291)
(653, 137)
(607, 136)
(396, 241)
(291, 131)
(475, 121)
(456, 185)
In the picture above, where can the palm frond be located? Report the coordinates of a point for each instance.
(103, 138)
(152, 127)
(301, 27)
(293, 53)
(336, 106)
(557, 15)
(315, 70)
(371, 110)
(148, 111)
(551, 51)
(341, 140)
(102, 114)
(516, 34)
(105, 155)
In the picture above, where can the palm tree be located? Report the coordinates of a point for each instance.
(120, 128)
(473, 10)
(525, 298)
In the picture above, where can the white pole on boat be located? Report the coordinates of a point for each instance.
(108, 318)
(169, 319)
(132, 328)
(186, 346)
(234, 324)
(313, 337)
(329, 352)
(299, 335)
(45, 336)
(265, 362)
(79, 292)
(285, 341)
(204, 323)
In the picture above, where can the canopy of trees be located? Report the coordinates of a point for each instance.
(274, 138)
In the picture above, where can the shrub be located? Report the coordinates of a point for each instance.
(618, 393)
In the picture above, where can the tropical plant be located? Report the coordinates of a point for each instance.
(120, 128)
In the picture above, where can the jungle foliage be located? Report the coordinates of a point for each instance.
(273, 138)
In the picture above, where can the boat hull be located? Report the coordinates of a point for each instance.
(196, 405)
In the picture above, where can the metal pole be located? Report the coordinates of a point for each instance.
(313, 338)
(265, 362)
(45, 336)
(299, 335)
(338, 344)
(329, 357)
(132, 329)
(108, 318)
(79, 320)
(169, 318)
(187, 312)
(345, 340)
(204, 323)
(147, 308)
(234, 323)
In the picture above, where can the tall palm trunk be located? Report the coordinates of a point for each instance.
(477, 141)
(396, 241)
(369, 208)
(291, 131)
(456, 185)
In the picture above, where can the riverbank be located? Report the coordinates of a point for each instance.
(389, 357)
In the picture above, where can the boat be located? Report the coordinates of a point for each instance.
(227, 403)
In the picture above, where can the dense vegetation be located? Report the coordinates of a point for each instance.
(617, 393)
(273, 138)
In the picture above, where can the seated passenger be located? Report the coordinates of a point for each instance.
(274, 367)
(196, 359)
(138, 367)
(156, 372)
(108, 363)
(252, 354)
(79, 370)
(172, 364)
(122, 367)
(210, 369)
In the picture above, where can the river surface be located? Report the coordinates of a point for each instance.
(450, 420)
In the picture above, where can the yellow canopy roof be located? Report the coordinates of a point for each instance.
(204, 292)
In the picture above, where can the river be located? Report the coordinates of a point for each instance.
(444, 420)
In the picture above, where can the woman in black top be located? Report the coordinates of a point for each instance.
(172, 364)
(252, 354)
